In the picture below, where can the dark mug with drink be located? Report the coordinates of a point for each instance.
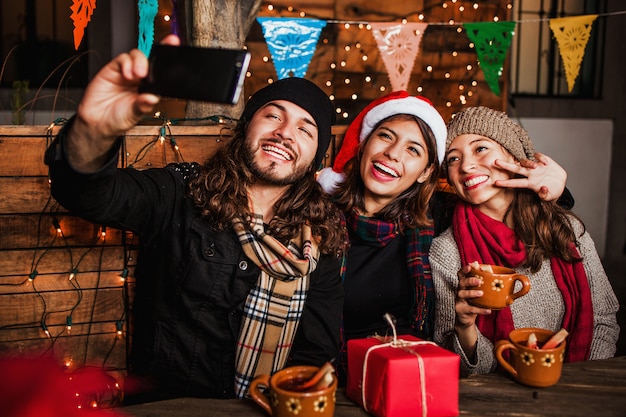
(286, 397)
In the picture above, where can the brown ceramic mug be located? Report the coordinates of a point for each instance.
(498, 287)
(282, 400)
(530, 366)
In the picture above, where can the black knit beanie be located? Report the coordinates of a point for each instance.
(495, 125)
(305, 94)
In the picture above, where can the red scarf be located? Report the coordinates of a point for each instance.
(483, 239)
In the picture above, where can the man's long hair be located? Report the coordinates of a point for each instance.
(410, 209)
(220, 192)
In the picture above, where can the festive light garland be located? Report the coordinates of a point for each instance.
(109, 392)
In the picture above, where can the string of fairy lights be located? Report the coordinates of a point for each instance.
(56, 243)
(354, 78)
(53, 233)
(355, 69)
(379, 82)
(49, 238)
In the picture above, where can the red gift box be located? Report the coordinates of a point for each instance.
(406, 377)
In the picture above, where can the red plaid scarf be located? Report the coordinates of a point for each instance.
(274, 306)
(483, 239)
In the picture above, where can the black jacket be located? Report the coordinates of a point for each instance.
(192, 280)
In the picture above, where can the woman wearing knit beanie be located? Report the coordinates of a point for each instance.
(513, 227)
(383, 180)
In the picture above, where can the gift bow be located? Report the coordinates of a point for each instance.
(404, 345)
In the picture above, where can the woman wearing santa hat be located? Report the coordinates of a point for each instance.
(383, 179)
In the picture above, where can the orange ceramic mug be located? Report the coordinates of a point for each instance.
(535, 367)
(281, 400)
(498, 286)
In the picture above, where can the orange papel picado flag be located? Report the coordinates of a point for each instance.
(81, 15)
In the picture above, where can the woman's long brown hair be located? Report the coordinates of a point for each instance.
(219, 191)
(544, 228)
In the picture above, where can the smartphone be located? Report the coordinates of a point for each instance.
(195, 73)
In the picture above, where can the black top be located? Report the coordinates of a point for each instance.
(376, 283)
(376, 279)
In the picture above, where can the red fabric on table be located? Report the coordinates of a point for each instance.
(393, 384)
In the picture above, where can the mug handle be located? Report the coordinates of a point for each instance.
(525, 287)
(499, 348)
(256, 394)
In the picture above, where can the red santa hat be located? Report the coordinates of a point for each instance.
(398, 102)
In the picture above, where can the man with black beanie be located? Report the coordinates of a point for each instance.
(238, 272)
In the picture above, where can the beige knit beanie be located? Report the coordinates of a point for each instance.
(495, 125)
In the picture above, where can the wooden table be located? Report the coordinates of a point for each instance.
(594, 388)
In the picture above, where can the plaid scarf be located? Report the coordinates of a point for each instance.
(483, 239)
(274, 306)
(380, 232)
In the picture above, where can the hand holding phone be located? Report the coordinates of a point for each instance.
(194, 73)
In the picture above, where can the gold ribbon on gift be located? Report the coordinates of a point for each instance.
(404, 345)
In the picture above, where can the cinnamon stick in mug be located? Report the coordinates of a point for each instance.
(556, 339)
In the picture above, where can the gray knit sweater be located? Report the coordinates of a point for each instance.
(542, 307)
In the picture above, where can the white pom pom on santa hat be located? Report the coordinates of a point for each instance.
(329, 179)
(398, 102)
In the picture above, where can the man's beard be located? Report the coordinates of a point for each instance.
(269, 174)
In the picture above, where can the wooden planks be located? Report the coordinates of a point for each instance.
(36, 260)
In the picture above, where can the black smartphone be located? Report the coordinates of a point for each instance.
(194, 73)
